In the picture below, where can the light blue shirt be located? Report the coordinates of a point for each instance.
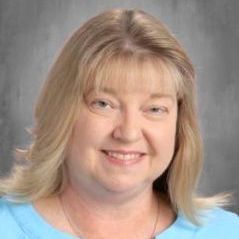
(22, 221)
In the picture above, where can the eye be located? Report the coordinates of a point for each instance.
(158, 110)
(100, 103)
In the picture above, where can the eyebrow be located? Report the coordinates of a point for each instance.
(161, 95)
(152, 96)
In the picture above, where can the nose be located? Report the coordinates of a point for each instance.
(128, 128)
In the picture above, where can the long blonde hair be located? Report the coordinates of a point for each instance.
(116, 36)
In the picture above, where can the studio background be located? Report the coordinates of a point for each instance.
(32, 32)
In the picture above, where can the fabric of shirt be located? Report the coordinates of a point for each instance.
(22, 221)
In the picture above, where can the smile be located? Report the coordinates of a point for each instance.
(123, 156)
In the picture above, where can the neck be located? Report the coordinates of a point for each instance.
(132, 218)
(117, 207)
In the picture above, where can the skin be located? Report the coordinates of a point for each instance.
(108, 195)
(125, 121)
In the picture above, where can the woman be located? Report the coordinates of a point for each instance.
(116, 151)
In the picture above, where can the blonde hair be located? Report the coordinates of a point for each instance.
(118, 36)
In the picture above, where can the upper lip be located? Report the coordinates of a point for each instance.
(123, 151)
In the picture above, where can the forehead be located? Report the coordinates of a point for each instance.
(131, 74)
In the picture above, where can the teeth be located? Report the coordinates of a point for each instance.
(123, 156)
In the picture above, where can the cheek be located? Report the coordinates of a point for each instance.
(89, 133)
(90, 126)
(164, 140)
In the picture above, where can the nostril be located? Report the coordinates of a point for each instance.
(103, 151)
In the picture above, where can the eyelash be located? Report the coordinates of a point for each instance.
(95, 102)
(162, 109)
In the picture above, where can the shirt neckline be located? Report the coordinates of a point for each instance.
(31, 221)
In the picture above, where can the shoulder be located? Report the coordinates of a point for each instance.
(219, 224)
(9, 227)
(22, 221)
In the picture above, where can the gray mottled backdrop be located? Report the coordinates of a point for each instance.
(32, 31)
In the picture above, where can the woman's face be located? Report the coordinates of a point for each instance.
(123, 139)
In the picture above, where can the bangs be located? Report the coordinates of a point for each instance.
(130, 72)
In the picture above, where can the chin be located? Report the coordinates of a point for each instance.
(125, 186)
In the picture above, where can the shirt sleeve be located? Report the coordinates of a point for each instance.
(9, 229)
(221, 224)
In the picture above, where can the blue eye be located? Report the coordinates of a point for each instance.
(158, 110)
(100, 104)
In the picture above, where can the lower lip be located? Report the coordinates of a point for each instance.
(123, 162)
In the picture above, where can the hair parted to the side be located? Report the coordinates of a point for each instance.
(117, 36)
